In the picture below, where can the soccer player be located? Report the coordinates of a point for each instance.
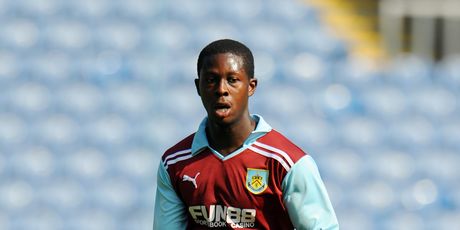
(236, 171)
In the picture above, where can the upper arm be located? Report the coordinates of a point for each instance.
(306, 198)
(169, 210)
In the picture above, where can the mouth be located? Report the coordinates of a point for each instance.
(222, 109)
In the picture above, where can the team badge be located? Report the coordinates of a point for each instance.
(256, 180)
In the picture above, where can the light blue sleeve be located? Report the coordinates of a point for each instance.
(306, 198)
(170, 212)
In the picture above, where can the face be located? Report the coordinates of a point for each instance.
(225, 88)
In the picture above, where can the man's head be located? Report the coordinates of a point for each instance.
(226, 81)
(228, 46)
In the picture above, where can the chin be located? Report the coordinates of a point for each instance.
(223, 121)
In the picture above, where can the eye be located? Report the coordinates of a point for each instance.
(209, 79)
(232, 79)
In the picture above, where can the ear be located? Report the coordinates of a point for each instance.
(252, 86)
(197, 86)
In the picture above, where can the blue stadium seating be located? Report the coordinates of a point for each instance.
(93, 92)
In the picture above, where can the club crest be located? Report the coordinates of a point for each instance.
(256, 180)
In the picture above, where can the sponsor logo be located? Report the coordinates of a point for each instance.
(191, 179)
(222, 216)
(256, 180)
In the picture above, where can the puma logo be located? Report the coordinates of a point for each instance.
(191, 179)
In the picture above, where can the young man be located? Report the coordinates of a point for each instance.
(236, 171)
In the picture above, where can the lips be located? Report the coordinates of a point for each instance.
(222, 105)
(222, 109)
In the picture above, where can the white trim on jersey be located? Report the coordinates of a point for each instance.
(273, 149)
(271, 155)
(168, 161)
(177, 153)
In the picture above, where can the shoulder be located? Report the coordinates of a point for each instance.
(276, 142)
(182, 147)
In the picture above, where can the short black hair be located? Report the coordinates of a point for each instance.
(228, 46)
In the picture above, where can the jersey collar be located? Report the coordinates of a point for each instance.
(200, 141)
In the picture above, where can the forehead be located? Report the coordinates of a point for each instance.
(228, 61)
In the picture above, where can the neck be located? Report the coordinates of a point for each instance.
(228, 138)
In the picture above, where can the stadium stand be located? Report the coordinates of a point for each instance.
(93, 92)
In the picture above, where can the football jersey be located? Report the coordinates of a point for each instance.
(254, 187)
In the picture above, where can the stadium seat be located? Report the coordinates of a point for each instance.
(107, 131)
(403, 220)
(53, 68)
(312, 132)
(40, 218)
(93, 218)
(361, 132)
(37, 163)
(140, 11)
(304, 67)
(292, 13)
(9, 68)
(448, 72)
(81, 100)
(240, 12)
(217, 29)
(342, 166)
(413, 131)
(5, 220)
(409, 71)
(16, 195)
(386, 102)
(353, 218)
(30, 99)
(392, 165)
(450, 133)
(132, 101)
(442, 169)
(38, 8)
(20, 34)
(138, 164)
(138, 219)
(168, 35)
(57, 130)
(117, 194)
(436, 102)
(68, 35)
(125, 36)
(446, 219)
(65, 194)
(267, 36)
(91, 11)
(12, 130)
(87, 164)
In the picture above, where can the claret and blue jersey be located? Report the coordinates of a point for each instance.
(268, 183)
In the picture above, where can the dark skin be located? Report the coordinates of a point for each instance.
(225, 88)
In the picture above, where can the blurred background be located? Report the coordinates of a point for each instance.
(92, 92)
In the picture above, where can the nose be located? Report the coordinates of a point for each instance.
(222, 88)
